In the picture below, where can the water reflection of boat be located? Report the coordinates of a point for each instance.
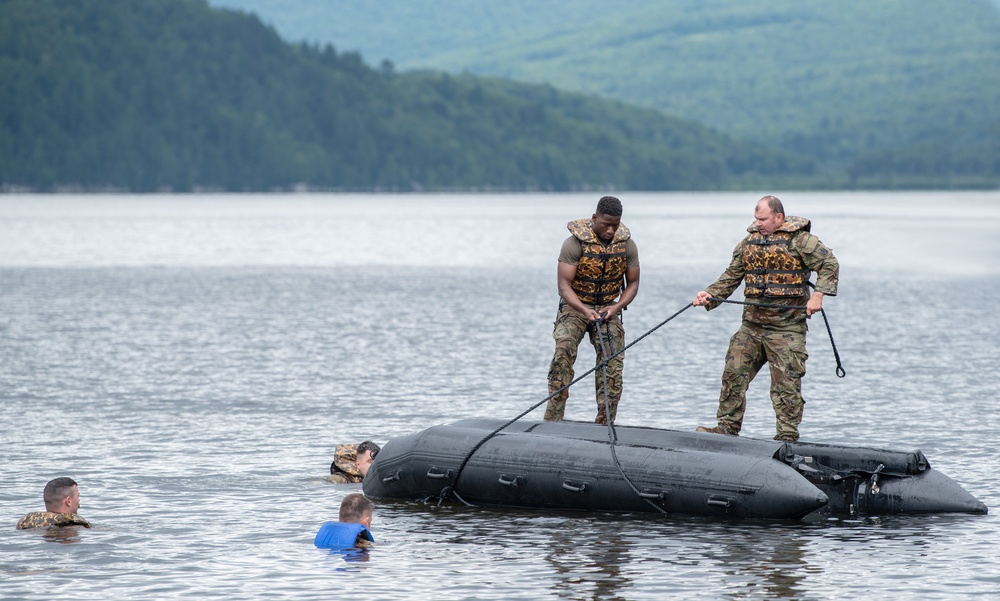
(571, 465)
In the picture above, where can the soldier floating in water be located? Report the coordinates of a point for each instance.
(62, 501)
(351, 462)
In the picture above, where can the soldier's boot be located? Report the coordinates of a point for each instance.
(715, 430)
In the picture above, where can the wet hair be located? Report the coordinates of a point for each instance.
(57, 490)
(355, 507)
(610, 206)
(773, 203)
(369, 446)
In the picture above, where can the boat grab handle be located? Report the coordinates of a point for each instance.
(392, 477)
(719, 501)
(437, 474)
(508, 481)
(574, 488)
(659, 496)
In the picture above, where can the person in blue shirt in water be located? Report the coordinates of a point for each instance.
(352, 529)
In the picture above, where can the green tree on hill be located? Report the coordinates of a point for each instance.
(172, 95)
(894, 93)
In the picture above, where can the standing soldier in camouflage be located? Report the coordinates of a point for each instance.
(775, 261)
(596, 264)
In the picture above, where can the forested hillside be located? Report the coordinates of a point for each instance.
(151, 95)
(884, 94)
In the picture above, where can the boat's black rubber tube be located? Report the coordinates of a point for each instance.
(449, 490)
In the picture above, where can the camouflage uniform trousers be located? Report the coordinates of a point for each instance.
(749, 349)
(568, 331)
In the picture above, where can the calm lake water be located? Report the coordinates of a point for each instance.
(192, 361)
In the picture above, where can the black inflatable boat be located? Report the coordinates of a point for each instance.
(571, 465)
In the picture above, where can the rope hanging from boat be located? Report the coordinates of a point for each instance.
(612, 434)
(449, 490)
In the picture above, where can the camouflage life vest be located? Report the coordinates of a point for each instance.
(771, 269)
(45, 519)
(600, 273)
(345, 464)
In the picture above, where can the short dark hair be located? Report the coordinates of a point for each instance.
(609, 205)
(355, 507)
(368, 446)
(58, 489)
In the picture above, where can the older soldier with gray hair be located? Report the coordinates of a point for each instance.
(775, 261)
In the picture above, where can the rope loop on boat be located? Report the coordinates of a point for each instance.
(449, 490)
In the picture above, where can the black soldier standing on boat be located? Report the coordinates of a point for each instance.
(597, 263)
(775, 261)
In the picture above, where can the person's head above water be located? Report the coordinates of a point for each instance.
(366, 455)
(357, 509)
(62, 495)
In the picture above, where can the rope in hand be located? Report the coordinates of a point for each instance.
(449, 490)
(836, 355)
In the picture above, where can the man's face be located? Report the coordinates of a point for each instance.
(605, 226)
(74, 500)
(767, 221)
(365, 461)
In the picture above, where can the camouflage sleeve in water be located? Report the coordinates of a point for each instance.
(343, 478)
(46, 519)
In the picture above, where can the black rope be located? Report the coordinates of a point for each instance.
(612, 435)
(840, 366)
(836, 355)
(604, 342)
(449, 490)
